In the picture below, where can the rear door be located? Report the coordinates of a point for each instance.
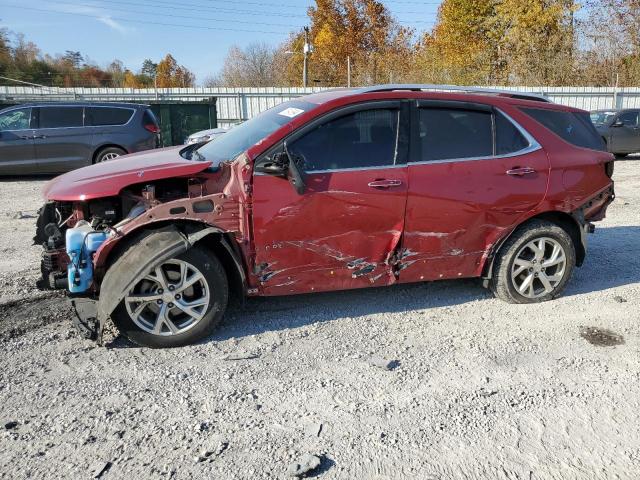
(341, 231)
(62, 142)
(625, 132)
(473, 173)
(17, 152)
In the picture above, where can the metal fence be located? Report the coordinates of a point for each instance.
(237, 104)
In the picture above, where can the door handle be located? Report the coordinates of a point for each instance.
(383, 183)
(39, 136)
(520, 171)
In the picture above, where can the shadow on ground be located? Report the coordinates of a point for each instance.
(612, 261)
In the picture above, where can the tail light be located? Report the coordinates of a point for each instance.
(608, 168)
(152, 127)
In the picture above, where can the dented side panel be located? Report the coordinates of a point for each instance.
(339, 234)
(457, 210)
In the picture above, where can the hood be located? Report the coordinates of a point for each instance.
(109, 178)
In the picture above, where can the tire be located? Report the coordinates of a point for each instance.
(109, 153)
(516, 253)
(213, 282)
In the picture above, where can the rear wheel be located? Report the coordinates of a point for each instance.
(535, 264)
(178, 303)
(109, 153)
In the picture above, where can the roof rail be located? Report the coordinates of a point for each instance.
(454, 88)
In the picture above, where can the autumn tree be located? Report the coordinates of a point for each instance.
(169, 74)
(362, 30)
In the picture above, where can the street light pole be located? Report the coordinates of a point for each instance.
(305, 51)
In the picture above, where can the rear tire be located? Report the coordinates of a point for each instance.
(534, 265)
(175, 315)
(109, 153)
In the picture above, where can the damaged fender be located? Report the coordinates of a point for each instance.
(141, 258)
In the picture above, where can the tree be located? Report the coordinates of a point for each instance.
(362, 30)
(170, 74)
(74, 59)
(149, 68)
(257, 65)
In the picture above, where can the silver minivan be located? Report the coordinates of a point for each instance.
(55, 137)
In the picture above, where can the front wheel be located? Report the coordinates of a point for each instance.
(535, 264)
(177, 303)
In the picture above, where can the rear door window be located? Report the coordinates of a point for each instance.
(106, 116)
(453, 133)
(362, 139)
(61, 117)
(508, 137)
(573, 127)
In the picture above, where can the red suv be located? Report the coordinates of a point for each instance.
(337, 190)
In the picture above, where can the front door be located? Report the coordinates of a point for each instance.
(17, 153)
(341, 232)
(625, 132)
(473, 173)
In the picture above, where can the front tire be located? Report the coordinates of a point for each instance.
(535, 264)
(178, 303)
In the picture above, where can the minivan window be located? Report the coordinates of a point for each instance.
(61, 117)
(18, 119)
(240, 138)
(362, 139)
(628, 119)
(106, 116)
(451, 133)
(573, 127)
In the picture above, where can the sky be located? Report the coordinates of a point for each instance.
(198, 33)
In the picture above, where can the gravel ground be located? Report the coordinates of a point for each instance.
(428, 381)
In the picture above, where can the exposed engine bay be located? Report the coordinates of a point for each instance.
(71, 232)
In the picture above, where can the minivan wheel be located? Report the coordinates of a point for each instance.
(535, 264)
(109, 154)
(176, 304)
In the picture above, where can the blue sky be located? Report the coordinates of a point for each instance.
(197, 32)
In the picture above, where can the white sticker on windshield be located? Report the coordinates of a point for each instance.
(291, 112)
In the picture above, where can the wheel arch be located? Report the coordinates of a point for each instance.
(570, 223)
(100, 148)
(220, 243)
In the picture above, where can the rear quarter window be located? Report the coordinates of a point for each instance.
(573, 127)
(106, 116)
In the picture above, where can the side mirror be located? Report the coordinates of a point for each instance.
(277, 165)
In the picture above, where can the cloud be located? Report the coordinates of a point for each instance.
(110, 22)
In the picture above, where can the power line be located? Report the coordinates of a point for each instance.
(168, 5)
(148, 22)
(173, 15)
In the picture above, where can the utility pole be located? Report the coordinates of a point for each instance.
(306, 49)
(348, 72)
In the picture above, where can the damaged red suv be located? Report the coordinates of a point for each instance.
(337, 190)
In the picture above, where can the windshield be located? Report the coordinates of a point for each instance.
(601, 118)
(240, 138)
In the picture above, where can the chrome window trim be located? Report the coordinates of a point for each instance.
(338, 170)
(532, 147)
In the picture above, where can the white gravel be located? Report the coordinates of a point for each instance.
(479, 389)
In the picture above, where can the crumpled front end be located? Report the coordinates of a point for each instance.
(83, 239)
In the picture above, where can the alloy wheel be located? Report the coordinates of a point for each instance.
(170, 300)
(539, 267)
